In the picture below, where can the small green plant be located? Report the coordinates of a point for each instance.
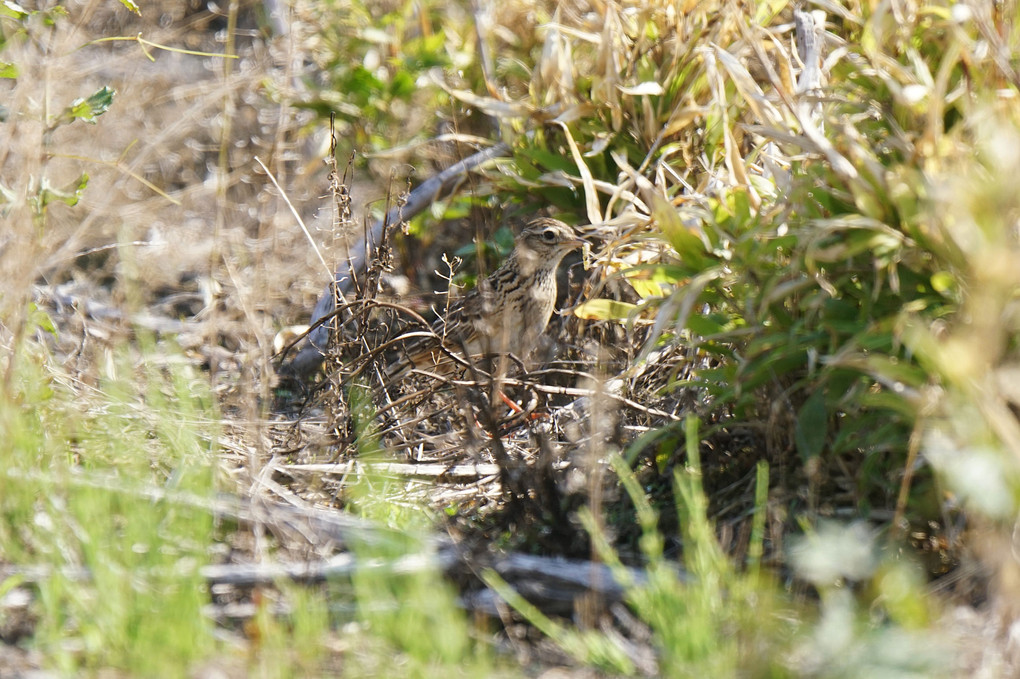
(377, 61)
(102, 492)
(718, 618)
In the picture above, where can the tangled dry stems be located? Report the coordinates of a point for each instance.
(575, 400)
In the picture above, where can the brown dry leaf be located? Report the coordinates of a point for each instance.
(488, 105)
(591, 198)
(682, 119)
(760, 106)
(555, 68)
(610, 63)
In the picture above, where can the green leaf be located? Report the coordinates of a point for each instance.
(69, 195)
(8, 70)
(547, 160)
(942, 281)
(91, 108)
(812, 426)
(768, 10)
(12, 10)
(51, 16)
(402, 85)
(645, 288)
(605, 310)
(703, 325)
(132, 6)
(644, 285)
(668, 274)
(41, 320)
(684, 239)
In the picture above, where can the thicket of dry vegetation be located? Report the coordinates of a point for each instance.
(773, 431)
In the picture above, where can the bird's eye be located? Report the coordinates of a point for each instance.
(549, 236)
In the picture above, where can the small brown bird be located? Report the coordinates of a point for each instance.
(506, 313)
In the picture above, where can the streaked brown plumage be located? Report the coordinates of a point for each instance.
(507, 312)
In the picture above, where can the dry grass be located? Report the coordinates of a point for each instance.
(808, 255)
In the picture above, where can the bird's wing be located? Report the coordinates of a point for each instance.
(479, 302)
(461, 326)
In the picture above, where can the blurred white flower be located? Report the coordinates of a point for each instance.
(835, 552)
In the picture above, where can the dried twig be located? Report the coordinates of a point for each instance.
(435, 188)
(454, 473)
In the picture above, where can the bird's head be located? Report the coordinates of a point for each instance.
(550, 239)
